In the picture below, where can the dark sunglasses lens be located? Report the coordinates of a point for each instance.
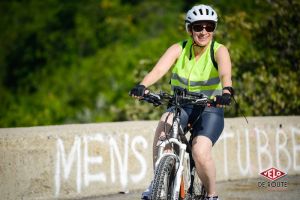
(209, 27)
(198, 28)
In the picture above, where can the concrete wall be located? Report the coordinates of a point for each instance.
(74, 161)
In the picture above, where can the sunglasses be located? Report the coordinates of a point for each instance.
(209, 27)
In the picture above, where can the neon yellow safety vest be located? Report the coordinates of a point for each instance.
(197, 76)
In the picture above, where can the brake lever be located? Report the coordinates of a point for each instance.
(154, 95)
(152, 98)
(201, 100)
(211, 103)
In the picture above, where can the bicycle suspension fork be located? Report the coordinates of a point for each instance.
(182, 151)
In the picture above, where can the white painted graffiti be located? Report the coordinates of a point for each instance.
(268, 154)
(65, 162)
(244, 170)
(269, 148)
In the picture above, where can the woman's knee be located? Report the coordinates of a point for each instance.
(164, 126)
(165, 122)
(167, 117)
(201, 156)
(201, 150)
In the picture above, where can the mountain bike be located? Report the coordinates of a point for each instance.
(175, 174)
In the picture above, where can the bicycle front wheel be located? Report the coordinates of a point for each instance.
(164, 178)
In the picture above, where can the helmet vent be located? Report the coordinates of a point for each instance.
(195, 13)
(212, 13)
(207, 11)
(200, 10)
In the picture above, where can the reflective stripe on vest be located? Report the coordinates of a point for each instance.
(197, 76)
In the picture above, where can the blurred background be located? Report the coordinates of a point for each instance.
(74, 61)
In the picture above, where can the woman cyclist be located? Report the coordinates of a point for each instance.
(202, 65)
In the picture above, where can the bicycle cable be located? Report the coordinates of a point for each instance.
(239, 109)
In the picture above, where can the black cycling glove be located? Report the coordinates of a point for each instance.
(223, 99)
(138, 90)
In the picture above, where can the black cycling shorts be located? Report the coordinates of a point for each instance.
(206, 121)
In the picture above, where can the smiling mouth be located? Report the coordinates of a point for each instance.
(203, 38)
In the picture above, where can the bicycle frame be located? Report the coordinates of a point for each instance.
(182, 154)
(180, 160)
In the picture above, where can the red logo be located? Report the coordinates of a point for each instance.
(272, 174)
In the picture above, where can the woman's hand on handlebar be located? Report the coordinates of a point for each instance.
(223, 100)
(138, 91)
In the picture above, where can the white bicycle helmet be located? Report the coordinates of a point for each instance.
(200, 13)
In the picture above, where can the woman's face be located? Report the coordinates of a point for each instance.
(202, 32)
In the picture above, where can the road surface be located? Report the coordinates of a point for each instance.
(250, 189)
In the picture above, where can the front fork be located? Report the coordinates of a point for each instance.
(179, 157)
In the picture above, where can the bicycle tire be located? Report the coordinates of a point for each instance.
(164, 178)
(199, 191)
(196, 190)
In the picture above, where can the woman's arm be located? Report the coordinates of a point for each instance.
(224, 63)
(163, 65)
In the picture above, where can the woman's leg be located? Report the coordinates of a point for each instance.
(206, 132)
(164, 126)
(205, 166)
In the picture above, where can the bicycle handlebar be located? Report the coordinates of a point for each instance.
(182, 99)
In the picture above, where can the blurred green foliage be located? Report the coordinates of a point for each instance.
(75, 61)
